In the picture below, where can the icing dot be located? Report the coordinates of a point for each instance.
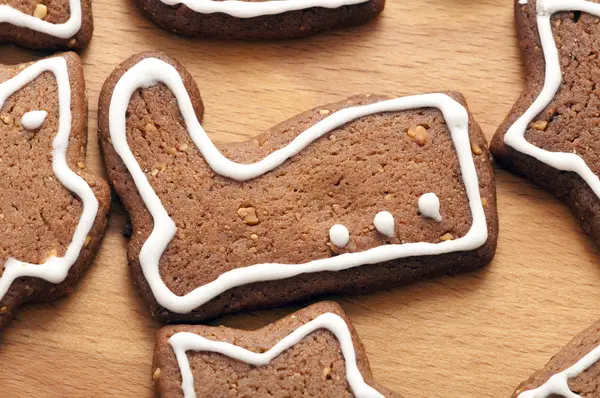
(33, 120)
(339, 235)
(429, 206)
(384, 223)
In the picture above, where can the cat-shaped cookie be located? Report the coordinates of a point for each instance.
(52, 208)
(59, 24)
(363, 194)
(272, 19)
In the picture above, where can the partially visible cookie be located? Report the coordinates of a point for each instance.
(256, 19)
(365, 193)
(314, 352)
(573, 372)
(52, 208)
(56, 24)
(551, 134)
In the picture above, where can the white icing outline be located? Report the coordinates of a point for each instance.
(65, 30)
(184, 341)
(515, 138)
(151, 71)
(245, 9)
(55, 269)
(559, 382)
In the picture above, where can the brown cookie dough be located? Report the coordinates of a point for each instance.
(569, 124)
(292, 24)
(380, 162)
(314, 367)
(54, 12)
(38, 215)
(586, 383)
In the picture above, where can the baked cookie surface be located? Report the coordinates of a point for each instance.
(252, 19)
(314, 352)
(573, 372)
(55, 24)
(362, 194)
(52, 208)
(550, 135)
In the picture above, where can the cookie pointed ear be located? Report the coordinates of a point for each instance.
(318, 339)
(379, 180)
(53, 210)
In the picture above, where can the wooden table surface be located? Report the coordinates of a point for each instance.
(475, 335)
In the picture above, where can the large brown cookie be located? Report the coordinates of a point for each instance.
(258, 19)
(54, 24)
(574, 370)
(52, 208)
(551, 134)
(352, 211)
(314, 352)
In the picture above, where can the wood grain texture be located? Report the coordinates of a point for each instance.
(475, 335)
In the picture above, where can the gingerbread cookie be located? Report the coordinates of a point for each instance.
(572, 373)
(550, 135)
(362, 194)
(52, 208)
(314, 352)
(59, 24)
(251, 19)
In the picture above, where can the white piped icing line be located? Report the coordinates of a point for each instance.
(33, 120)
(339, 235)
(384, 223)
(185, 341)
(429, 206)
(559, 383)
(55, 269)
(65, 30)
(248, 9)
(151, 71)
(515, 136)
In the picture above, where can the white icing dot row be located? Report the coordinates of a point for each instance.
(185, 341)
(33, 120)
(65, 30)
(152, 71)
(245, 9)
(55, 269)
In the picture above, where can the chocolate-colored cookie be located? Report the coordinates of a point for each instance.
(56, 24)
(314, 352)
(52, 208)
(573, 372)
(366, 193)
(551, 134)
(258, 19)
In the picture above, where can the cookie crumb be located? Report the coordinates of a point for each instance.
(476, 149)
(221, 249)
(6, 119)
(156, 374)
(446, 236)
(324, 112)
(81, 165)
(41, 11)
(327, 372)
(254, 237)
(3, 310)
(298, 216)
(419, 134)
(183, 147)
(540, 125)
(154, 172)
(248, 214)
(72, 43)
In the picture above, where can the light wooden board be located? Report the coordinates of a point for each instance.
(475, 335)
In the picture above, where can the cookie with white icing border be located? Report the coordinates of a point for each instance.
(573, 372)
(551, 134)
(52, 208)
(59, 24)
(366, 193)
(271, 19)
(313, 352)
